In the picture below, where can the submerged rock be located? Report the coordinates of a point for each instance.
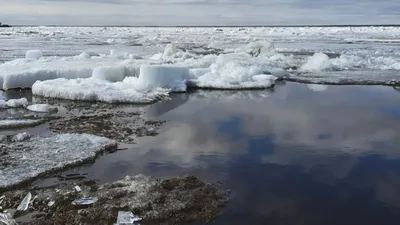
(150, 200)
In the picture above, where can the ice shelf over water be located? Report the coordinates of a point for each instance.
(234, 58)
(35, 156)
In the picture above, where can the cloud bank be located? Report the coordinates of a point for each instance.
(198, 12)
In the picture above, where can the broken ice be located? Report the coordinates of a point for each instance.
(127, 218)
(85, 201)
(25, 203)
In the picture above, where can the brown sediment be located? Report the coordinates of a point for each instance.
(175, 200)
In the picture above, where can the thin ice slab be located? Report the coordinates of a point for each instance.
(7, 124)
(25, 160)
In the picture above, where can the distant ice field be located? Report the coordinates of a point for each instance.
(94, 63)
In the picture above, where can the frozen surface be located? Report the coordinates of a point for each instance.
(38, 155)
(42, 108)
(89, 89)
(365, 54)
(4, 124)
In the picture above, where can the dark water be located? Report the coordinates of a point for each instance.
(298, 155)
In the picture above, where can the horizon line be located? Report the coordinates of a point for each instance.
(219, 26)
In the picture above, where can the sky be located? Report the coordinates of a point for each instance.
(199, 12)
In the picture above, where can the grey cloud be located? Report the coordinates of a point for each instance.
(199, 12)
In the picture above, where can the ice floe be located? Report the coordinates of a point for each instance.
(42, 108)
(233, 59)
(127, 91)
(35, 156)
(12, 123)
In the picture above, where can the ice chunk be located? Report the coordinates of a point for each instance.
(42, 108)
(259, 48)
(6, 219)
(38, 155)
(85, 201)
(6, 124)
(24, 205)
(170, 50)
(22, 73)
(21, 137)
(82, 56)
(197, 72)
(317, 62)
(127, 218)
(77, 188)
(112, 74)
(51, 203)
(234, 71)
(127, 91)
(278, 72)
(165, 76)
(33, 54)
(14, 103)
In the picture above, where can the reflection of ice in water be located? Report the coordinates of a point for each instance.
(163, 107)
(317, 87)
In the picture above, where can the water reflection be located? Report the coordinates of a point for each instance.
(291, 156)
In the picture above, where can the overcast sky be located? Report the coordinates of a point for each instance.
(199, 12)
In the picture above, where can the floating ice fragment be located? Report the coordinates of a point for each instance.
(33, 54)
(14, 103)
(127, 218)
(78, 189)
(6, 219)
(25, 203)
(51, 153)
(4, 124)
(21, 137)
(51, 203)
(42, 108)
(85, 201)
